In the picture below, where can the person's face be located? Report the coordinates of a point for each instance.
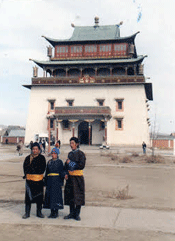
(54, 155)
(73, 145)
(35, 150)
(57, 145)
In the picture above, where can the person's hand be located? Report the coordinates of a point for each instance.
(66, 177)
(67, 161)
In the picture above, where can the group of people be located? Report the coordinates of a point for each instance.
(39, 174)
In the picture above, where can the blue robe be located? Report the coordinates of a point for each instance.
(53, 195)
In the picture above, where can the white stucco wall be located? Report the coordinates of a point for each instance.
(135, 114)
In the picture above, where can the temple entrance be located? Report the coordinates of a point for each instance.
(83, 133)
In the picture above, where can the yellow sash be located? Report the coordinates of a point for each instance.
(53, 174)
(34, 177)
(76, 173)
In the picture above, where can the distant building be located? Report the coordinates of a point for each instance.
(162, 140)
(13, 134)
(93, 87)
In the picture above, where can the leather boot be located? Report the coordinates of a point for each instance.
(54, 213)
(39, 213)
(27, 211)
(77, 212)
(71, 215)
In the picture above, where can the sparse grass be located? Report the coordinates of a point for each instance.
(114, 157)
(125, 159)
(154, 159)
(135, 154)
(105, 153)
(121, 194)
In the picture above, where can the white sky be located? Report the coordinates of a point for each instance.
(23, 22)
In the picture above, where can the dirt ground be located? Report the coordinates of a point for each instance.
(115, 180)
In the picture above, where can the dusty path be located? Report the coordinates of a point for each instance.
(150, 186)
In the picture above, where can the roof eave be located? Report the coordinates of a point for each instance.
(75, 62)
(54, 42)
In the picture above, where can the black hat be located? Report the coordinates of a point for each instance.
(36, 144)
(74, 139)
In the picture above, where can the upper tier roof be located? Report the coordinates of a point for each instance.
(92, 33)
(95, 33)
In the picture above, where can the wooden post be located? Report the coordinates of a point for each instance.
(73, 129)
(56, 130)
(89, 133)
(126, 70)
(95, 72)
(106, 131)
(49, 135)
(110, 71)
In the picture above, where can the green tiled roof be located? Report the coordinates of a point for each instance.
(95, 33)
(92, 33)
(96, 61)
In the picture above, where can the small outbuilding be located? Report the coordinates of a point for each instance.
(162, 141)
(13, 135)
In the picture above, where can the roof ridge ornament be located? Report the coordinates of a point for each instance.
(96, 19)
(119, 24)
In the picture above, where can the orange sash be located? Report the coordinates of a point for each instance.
(53, 174)
(76, 173)
(34, 177)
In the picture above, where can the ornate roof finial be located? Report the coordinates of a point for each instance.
(119, 24)
(96, 20)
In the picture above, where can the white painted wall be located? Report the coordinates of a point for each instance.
(135, 111)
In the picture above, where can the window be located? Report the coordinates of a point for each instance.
(91, 48)
(70, 102)
(119, 105)
(105, 48)
(119, 124)
(100, 102)
(76, 49)
(51, 123)
(65, 124)
(51, 105)
(120, 49)
(62, 49)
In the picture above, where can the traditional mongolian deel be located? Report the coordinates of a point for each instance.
(33, 171)
(75, 186)
(54, 181)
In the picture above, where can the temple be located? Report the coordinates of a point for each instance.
(93, 87)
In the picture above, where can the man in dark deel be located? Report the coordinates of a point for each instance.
(144, 147)
(74, 193)
(34, 166)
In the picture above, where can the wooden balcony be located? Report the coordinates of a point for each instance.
(82, 112)
(76, 80)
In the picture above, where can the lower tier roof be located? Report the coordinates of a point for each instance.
(42, 64)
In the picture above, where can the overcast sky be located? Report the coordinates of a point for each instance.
(23, 22)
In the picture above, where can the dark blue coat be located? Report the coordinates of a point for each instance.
(53, 195)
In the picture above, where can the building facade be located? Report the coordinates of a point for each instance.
(93, 87)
